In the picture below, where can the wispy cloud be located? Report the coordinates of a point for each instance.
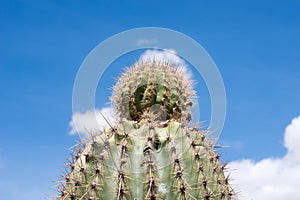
(163, 55)
(90, 121)
(145, 41)
(271, 178)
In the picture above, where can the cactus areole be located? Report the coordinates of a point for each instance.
(152, 152)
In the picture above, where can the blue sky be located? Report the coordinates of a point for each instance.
(255, 45)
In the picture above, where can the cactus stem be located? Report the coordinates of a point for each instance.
(153, 152)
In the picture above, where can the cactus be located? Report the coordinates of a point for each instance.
(152, 152)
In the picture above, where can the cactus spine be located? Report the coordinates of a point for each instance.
(152, 152)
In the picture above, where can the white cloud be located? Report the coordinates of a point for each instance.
(90, 121)
(271, 178)
(292, 140)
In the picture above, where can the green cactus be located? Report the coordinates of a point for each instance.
(152, 152)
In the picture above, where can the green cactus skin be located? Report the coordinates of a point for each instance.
(146, 156)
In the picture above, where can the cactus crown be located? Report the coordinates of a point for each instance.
(154, 87)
